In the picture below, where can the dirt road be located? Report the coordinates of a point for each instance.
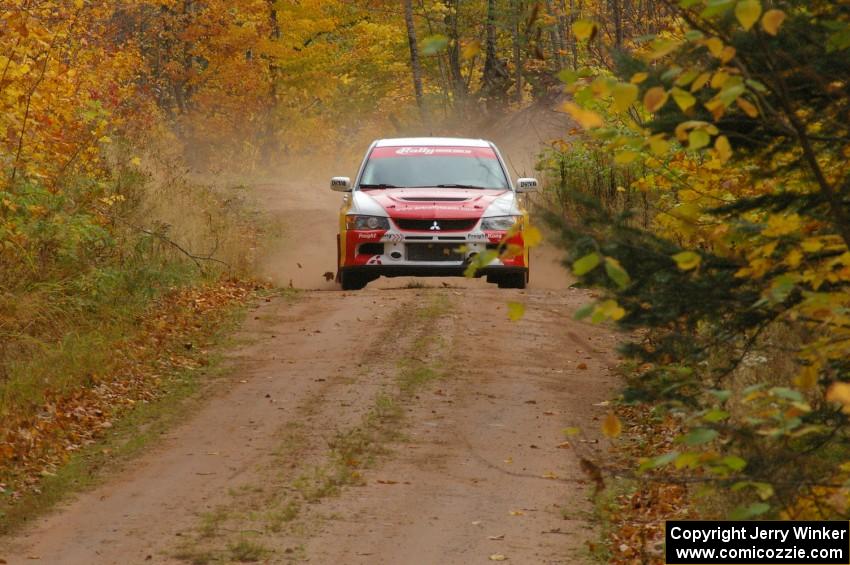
(399, 424)
(384, 426)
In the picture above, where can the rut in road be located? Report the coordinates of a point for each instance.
(391, 425)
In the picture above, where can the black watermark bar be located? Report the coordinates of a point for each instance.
(698, 542)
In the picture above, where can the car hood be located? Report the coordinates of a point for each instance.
(434, 203)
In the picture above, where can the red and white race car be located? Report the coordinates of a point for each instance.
(429, 206)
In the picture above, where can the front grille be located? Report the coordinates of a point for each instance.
(444, 225)
(433, 252)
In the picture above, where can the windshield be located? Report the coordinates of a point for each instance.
(450, 167)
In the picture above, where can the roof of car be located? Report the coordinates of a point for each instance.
(431, 142)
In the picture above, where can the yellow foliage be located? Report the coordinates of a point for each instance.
(588, 119)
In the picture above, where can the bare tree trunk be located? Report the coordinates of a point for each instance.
(490, 41)
(270, 147)
(617, 16)
(573, 42)
(415, 66)
(444, 80)
(495, 77)
(555, 34)
(458, 84)
(517, 51)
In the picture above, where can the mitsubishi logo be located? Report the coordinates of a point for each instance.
(435, 227)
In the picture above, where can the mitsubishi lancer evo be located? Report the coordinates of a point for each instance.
(428, 207)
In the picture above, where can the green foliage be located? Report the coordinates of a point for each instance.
(719, 187)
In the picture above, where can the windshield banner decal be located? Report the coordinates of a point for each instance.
(427, 151)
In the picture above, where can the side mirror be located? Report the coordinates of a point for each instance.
(526, 185)
(341, 184)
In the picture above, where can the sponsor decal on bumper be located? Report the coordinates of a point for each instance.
(375, 247)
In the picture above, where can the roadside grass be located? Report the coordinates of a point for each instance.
(212, 521)
(173, 395)
(247, 551)
(606, 506)
(195, 556)
(276, 519)
(80, 320)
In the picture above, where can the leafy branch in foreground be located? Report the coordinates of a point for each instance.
(731, 129)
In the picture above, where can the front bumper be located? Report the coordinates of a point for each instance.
(375, 271)
(395, 253)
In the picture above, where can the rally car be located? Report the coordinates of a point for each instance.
(429, 207)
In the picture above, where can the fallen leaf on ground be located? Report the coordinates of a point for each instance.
(517, 513)
(581, 366)
(498, 557)
(496, 538)
(612, 427)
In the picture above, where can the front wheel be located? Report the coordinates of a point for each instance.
(352, 281)
(511, 280)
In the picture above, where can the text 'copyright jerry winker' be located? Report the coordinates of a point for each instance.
(758, 543)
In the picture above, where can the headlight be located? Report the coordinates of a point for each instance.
(499, 223)
(367, 223)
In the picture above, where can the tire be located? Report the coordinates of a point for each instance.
(512, 280)
(352, 281)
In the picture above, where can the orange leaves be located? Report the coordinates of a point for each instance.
(839, 393)
(134, 371)
(772, 21)
(655, 98)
